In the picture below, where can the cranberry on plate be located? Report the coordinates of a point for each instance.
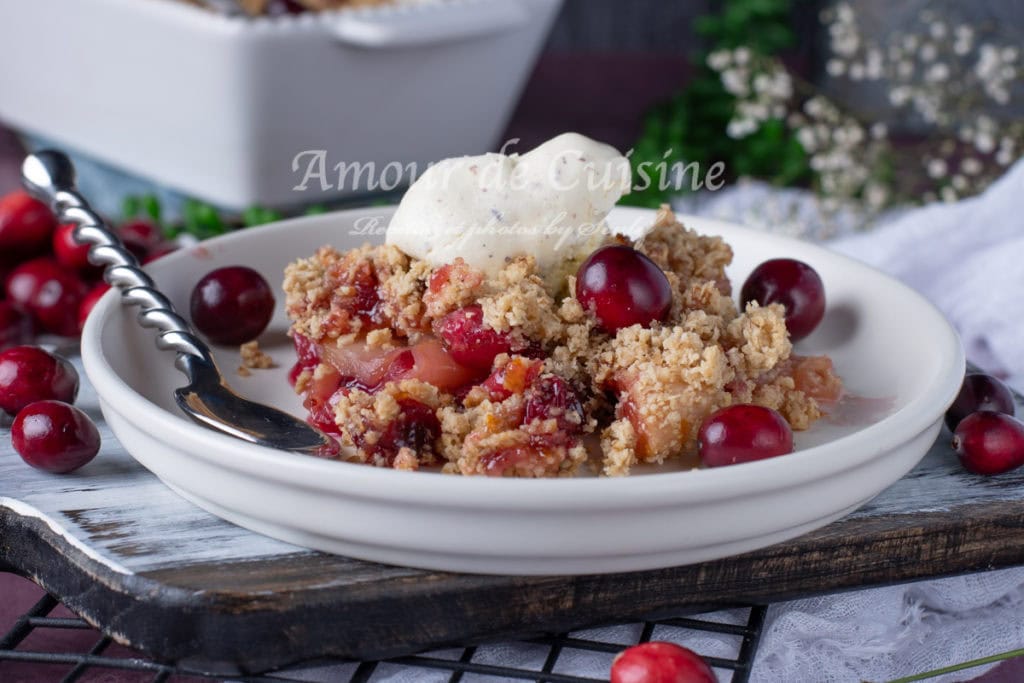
(623, 287)
(25, 227)
(659, 662)
(795, 285)
(979, 392)
(743, 433)
(29, 374)
(55, 436)
(232, 305)
(988, 442)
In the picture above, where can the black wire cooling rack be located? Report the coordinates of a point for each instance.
(108, 662)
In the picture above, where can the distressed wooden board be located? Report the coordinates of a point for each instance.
(157, 573)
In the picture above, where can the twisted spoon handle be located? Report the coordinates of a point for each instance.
(50, 177)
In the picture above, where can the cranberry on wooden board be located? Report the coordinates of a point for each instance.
(660, 662)
(980, 392)
(232, 305)
(29, 374)
(988, 442)
(623, 287)
(795, 285)
(743, 433)
(55, 436)
(69, 252)
(16, 326)
(468, 341)
(26, 225)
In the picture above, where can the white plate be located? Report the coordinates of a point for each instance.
(892, 348)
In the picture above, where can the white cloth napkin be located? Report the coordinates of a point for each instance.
(968, 259)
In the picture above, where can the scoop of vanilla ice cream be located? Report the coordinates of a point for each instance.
(550, 203)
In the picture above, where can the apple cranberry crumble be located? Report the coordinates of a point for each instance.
(502, 371)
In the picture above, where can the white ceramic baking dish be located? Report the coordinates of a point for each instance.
(219, 107)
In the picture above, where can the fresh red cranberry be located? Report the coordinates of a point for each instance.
(29, 374)
(468, 341)
(159, 251)
(550, 396)
(659, 662)
(55, 436)
(16, 326)
(988, 442)
(743, 433)
(979, 392)
(49, 293)
(795, 285)
(89, 302)
(622, 287)
(232, 305)
(69, 252)
(25, 227)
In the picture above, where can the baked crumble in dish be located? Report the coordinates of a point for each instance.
(514, 371)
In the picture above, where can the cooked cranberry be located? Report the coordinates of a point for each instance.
(29, 374)
(659, 662)
(468, 341)
(25, 227)
(988, 442)
(416, 428)
(795, 285)
(89, 301)
(979, 392)
(743, 433)
(15, 326)
(512, 378)
(622, 287)
(55, 436)
(69, 252)
(232, 305)
(550, 396)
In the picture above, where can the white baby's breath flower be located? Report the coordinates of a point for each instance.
(735, 82)
(807, 139)
(928, 52)
(857, 71)
(879, 130)
(948, 194)
(984, 142)
(959, 183)
(835, 67)
(899, 96)
(741, 55)
(1004, 157)
(910, 42)
(937, 168)
(762, 83)
(970, 166)
(905, 69)
(1009, 54)
(937, 73)
(719, 59)
(876, 195)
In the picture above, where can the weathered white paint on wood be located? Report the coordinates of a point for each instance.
(122, 515)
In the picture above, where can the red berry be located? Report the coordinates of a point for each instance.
(988, 442)
(25, 227)
(49, 293)
(159, 251)
(979, 392)
(795, 285)
(89, 301)
(140, 237)
(55, 436)
(550, 396)
(16, 326)
(622, 287)
(69, 252)
(29, 374)
(659, 662)
(743, 433)
(232, 305)
(468, 341)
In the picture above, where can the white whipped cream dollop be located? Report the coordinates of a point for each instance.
(550, 203)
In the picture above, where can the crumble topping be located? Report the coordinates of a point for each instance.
(253, 357)
(398, 397)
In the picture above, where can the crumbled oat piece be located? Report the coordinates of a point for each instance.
(253, 357)
(684, 252)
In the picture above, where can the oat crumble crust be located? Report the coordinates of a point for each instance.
(254, 358)
(644, 391)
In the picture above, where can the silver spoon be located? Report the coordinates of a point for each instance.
(207, 399)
